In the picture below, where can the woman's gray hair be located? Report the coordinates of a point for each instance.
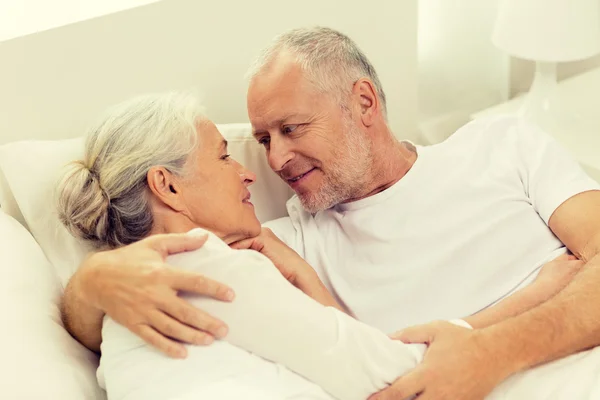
(104, 198)
(331, 60)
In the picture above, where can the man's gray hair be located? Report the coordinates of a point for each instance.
(331, 60)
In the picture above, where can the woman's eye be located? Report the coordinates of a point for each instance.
(264, 140)
(225, 157)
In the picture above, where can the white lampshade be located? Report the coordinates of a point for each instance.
(548, 30)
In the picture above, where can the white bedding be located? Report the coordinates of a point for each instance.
(576, 377)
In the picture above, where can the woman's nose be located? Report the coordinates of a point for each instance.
(248, 177)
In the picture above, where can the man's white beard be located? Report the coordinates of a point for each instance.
(346, 176)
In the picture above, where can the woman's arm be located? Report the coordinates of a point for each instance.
(289, 263)
(553, 277)
(312, 286)
(275, 320)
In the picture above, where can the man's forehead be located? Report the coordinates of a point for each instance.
(276, 84)
(279, 106)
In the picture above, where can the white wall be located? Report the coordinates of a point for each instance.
(24, 17)
(460, 70)
(54, 83)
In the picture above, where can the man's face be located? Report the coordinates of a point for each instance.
(312, 143)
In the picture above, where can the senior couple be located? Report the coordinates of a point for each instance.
(436, 272)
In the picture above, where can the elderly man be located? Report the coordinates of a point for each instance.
(399, 235)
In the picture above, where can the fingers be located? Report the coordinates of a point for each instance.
(255, 243)
(173, 329)
(566, 257)
(155, 339)
(577, 265)
(242, 244)
(416, 334)
(195, 283)
(201, 323)
(405, 387)
(176, 243)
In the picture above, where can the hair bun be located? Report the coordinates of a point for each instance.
(83, 205)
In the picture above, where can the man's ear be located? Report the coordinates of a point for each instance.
(366, 100)
(165, 188)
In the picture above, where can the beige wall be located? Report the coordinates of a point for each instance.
(24, 17)
(54, 83)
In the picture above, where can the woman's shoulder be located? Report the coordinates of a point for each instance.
(216, 257)
(213, 243)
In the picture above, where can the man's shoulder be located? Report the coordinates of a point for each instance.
(282, 227)
(487, 129)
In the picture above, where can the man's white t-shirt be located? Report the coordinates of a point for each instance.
(466, 227)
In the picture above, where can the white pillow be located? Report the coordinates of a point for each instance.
(29, 171)
(40, 360)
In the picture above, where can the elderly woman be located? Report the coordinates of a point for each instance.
(154, 165)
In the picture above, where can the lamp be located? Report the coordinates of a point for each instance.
(547, 32)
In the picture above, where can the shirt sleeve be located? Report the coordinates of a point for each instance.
(549, 173)
(272, 319)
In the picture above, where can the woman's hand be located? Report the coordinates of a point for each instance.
(557, 274)
(293, 267)
(553, 277)
(288, 262)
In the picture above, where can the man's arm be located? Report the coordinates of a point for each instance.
(81, 319)
(458, 363)
(135, 287)
(570, 321)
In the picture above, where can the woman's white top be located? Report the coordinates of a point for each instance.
(281, 343)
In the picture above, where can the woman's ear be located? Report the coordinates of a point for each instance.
(165, 188)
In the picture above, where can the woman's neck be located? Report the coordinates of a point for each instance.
(172, 222)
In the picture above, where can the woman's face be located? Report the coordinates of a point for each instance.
(214, 189)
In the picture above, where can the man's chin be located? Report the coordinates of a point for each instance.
(315, 203)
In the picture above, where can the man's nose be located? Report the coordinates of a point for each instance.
(279, 155)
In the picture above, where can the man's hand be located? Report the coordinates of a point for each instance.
(135, 287)
(457, 366)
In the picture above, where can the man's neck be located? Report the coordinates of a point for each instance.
(393, 161)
